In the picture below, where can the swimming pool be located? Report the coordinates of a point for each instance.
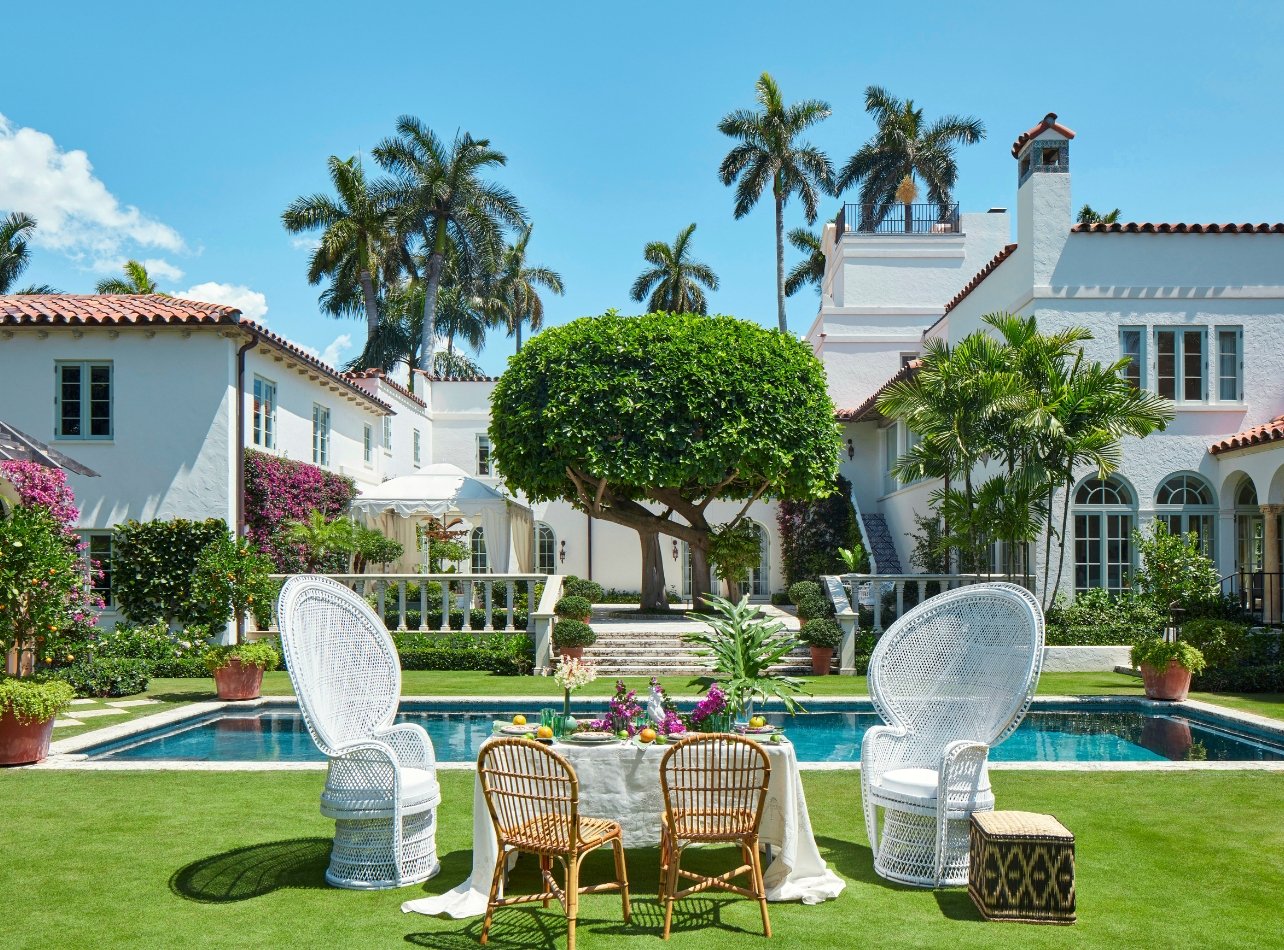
(1117, 731)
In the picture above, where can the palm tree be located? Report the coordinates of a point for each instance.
(517, 288)
(357, 247)
(674, 280)
(137, 281)
(811, 269)
(1088, 216)
(902, 152)
(15, 254)
(440, 200)
(321, 539)
(770, 150)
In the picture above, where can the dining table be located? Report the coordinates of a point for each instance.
(621, 781)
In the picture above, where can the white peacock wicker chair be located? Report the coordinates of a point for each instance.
(381, 788)
(951, 678)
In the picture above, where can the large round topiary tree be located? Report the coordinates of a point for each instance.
(645, 421)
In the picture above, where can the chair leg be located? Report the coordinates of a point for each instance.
(572, 899)
(622, 877)
(494, 893)
(759, 887)
(545, 870)
(669, 886)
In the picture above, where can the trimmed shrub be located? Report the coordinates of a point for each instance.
(573, 633)
(152, 566)
(821, 632)
(1096, 618)
(814, 606)
(189, 667)
(105, 677)
(1268, 678)
(800, 589)
(573, 608)
(578, 587)
(496, 653)
(151, 642)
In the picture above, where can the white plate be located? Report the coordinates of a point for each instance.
(515, 730)
(592, 738)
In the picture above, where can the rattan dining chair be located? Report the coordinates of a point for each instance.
(533, 796)
(714, 788)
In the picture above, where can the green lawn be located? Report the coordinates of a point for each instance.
(103, 860)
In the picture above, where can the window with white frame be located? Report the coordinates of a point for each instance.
(320, 435)
(387, 434)
(1105, 515)
(98, 555)
(545, 549)
(480, 558)
(1186, 504)
(418, 451)
(1230, 364)
(264, 413)
(1132, 348)
(367, 444)
(83, 400)
(484, 464)
(1180, 366)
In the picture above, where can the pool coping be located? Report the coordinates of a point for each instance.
(69, 753)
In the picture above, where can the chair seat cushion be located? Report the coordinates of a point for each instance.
(419, 789)
(916, 783)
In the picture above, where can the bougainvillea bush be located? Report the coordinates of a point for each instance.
(811, 532)
(46, 487)
(279, 490)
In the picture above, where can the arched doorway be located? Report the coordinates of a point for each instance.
(480, 563)
(1185, 503)
(545, 559)
(1105, 516)
(758, 583)
(1250, 529)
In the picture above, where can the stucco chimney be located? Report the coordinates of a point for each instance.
(1043, 195)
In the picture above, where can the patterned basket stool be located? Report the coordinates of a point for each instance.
(1022, 867)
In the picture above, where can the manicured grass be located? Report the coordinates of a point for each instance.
(167, 694)
(104, 860)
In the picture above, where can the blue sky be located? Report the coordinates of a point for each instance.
(202, 121)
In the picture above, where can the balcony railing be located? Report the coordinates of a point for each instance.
(1258, 593)
(899, 219)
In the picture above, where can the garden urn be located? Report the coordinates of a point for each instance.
(236, 680)
(1171, 683)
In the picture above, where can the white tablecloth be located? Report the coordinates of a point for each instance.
(622, 782)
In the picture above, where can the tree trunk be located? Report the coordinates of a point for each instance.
(1050, 595)
(426, 341)
(699, 574)
(780, 261)
(909, 218)
(653, 593)
(372, 305)
(518, 330)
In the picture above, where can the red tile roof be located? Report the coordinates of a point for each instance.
(151, 310)
(1134, 227)
(375, 373)
(1272, 431)
(1049, 122)
(984, 272)
(865, 408)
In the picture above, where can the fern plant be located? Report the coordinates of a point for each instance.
(743, 648)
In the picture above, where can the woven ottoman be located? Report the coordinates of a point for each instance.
(1021, 868)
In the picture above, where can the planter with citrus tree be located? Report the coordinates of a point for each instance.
(1166, 667)
(233, 578)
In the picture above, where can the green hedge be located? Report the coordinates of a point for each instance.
(505, 654)
(391, 618)
(152, 565)
(1242, 679)
(1096, 618)
(106, 677)
(191, 667)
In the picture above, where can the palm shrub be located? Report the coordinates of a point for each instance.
(743, 648)
(323, 540)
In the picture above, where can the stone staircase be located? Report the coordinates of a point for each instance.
(654, 646)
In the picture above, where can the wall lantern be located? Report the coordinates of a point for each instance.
(561, 554)
(675, 549)
(851, 450)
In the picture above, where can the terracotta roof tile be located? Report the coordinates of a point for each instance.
(984, 272)
(150, 310)
(375, 373)
(1049, 122)
(1134, 227)
(867, 407)
(1272, 431)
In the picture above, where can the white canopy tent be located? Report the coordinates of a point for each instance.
(443, 492)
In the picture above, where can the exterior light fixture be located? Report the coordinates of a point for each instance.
(675, 549)
(561, 554)
(851, 450)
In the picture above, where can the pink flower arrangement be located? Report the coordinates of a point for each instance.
(279, 490)
(624, 712)
(713, 704)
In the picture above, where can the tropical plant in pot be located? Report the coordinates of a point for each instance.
(572, 636)
(823, 635)
(572, 607)
(233, 578)
(1166, 667)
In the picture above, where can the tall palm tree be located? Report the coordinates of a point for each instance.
(674, 280)
(811, 269)
(357, 250)
(1088, 216)
(440, 200)
(136, 281)
(904, 151)
(517, 284)
(770, 150)
(15, 254)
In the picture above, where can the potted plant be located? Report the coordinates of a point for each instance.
(572, 636)
(823, 635)
(238, 670)
(572, 607)
(27, 712)
(1166, 667)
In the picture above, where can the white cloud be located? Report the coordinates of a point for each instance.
(332, 355)
(305, 243)
(74, 211)
(251, 303)
(160, 269)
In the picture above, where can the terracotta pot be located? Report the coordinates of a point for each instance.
(821, 658)
(237, 680)
(573, 653)
(23, 743)
(1172, 684)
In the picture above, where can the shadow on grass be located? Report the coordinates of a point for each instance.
(856, 862)
(187, 696)
(253, 871)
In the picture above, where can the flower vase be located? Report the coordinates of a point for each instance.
(568, 722)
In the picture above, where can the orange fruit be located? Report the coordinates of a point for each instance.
(519, 720)
(646, 735)
(544, 732)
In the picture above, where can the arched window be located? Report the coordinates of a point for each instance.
(759, 577)
(480, 560)
(1185, 503)
(1104, 520)
(1250, 529)
(545, 549)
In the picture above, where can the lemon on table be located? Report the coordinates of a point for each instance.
(544, 732)
(519, 720)
(757, 722)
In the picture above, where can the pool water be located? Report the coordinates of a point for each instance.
(1117, 732)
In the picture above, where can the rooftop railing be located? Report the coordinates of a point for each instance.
(898, 219)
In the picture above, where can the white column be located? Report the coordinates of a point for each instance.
(1271, 563)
